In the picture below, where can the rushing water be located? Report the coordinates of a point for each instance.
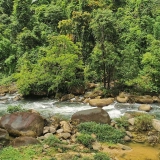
(49, 107)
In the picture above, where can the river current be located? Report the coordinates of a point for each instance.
(49, 107)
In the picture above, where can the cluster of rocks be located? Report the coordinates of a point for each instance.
(150, 136)
(146, 99)
(30, 124)
(30, 128)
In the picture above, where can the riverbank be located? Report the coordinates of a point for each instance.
(64, 146)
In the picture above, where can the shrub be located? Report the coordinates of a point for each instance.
(51, 140)
(12, 109)
(143, 122)
(101, 156)
(122, 122)
(85, 139)
(103, 132)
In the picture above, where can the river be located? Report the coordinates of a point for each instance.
(49, 107)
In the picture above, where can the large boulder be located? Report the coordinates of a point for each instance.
(97, 115)
(24, 141)
(101, 102)
(23, 124)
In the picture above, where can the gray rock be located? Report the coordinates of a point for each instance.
(97, 115)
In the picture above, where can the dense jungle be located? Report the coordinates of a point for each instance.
(56, 45)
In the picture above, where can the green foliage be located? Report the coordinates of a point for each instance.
(11, 153)
(122, 122)
(51, 140)
(22, 13)
(5, 80)
(103, 132)
(85, 139)
(116, 41)
(60, 65)
(12, 109)
(143, 122)
(148, 78)
(104, 55)
(50, 15)
(101, 156)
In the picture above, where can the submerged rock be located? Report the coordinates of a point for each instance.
(144, 107)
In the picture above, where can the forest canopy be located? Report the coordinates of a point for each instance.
(53, 45)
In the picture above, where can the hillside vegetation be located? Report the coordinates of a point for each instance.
(55, 45)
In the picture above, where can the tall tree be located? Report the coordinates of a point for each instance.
(103, 29)
(77, 28)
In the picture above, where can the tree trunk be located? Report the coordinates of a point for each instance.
(104, 74)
